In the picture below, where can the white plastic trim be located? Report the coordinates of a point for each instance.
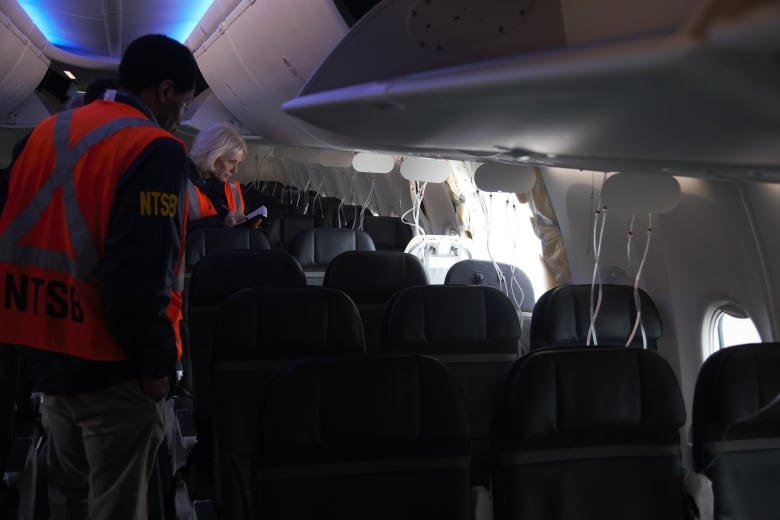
(508, 178)
(641, 193)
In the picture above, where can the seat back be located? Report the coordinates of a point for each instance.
(561, 317)
(508, 279)
(259, 330)
(283, 229)
(473, 329)
(734, 445)
(315, 248)
(370, 278)
(388, 233)
(202, 241)
(583, 433)
(219, 275)
(380, 437)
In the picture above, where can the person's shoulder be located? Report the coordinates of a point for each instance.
(169, 145)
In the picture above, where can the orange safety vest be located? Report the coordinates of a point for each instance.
(201, 206)
(53, 230)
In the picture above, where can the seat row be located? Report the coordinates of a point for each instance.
(732, 385)
(302, 236)
(393, 435)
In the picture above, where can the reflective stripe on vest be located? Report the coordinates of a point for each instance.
(234, 198)
(65, 160)
(199, 204)
(50, 300)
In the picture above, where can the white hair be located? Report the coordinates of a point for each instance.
(218, 140)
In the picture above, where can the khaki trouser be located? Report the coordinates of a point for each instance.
(101, 452)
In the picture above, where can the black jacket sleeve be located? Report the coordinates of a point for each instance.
(137, 271)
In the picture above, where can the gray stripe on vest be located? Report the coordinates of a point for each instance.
(66, 158)
(194, 202)
(236, 197)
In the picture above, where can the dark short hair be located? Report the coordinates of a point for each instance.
(98, 87)
(154, 58)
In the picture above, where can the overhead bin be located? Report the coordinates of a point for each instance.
(697, 101)
(399, 37)
(262, 54)
(22, 66)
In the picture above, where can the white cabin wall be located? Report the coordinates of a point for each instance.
(763, 204)
(702, 252)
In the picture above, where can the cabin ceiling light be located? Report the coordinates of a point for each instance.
(373, 162)
(69, 74)
(509, 178)
(335, 158)
(641, 193)
(424, 170)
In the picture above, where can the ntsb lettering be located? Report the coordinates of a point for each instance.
(31, 294)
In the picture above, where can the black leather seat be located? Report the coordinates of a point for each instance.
(258, 331)
(370, 278)
(315, 248)
(561, 317)
(734, 445)
(513, 282)
(202, 241)
(588, 434)
(353, 438)
(388, 233)
(472, 329)
(217, 276)
(283, 229)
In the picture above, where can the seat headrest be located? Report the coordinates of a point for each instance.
(222, 273)
(388, 233)
(451, 319)
(202, 241)
(561, 317)
(285, 228)
(273, 323)
(374, 276)
(732, 384)
(515, 282)
(317, 247)
(355, 402)
(595, 394)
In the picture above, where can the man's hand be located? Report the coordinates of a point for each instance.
(155, 389)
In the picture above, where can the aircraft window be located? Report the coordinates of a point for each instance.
(730, 325)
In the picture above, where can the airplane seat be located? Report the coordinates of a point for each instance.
(259, 330)
(355, 437)
(218, 275)
(370, 278)
(272, 188)
(283, 229)
(315, 248)
(474, 330)
(254, 198)
(561, 317)
(388, 233)
(736, 430)
(588, 433)
(348, 214)
(327, 209)
(513, 282)
(204, 240)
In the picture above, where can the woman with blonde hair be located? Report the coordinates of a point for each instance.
(215, 199)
